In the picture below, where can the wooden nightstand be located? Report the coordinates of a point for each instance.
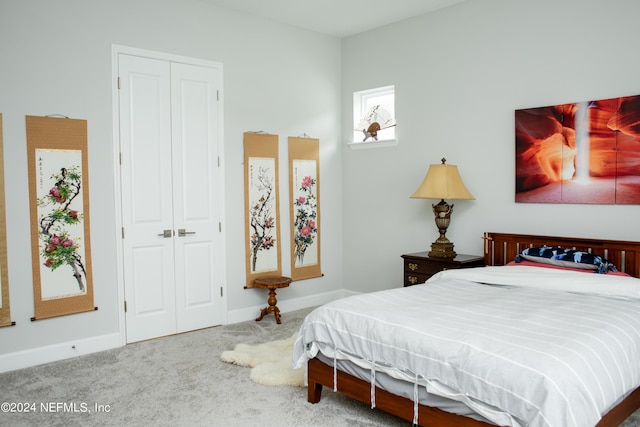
(418, 267)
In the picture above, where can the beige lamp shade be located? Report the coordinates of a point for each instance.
(442, 182)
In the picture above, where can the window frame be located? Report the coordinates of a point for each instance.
(361, 106)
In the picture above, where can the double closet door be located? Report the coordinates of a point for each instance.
(171, 197)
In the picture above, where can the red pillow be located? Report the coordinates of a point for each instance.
(536, 264)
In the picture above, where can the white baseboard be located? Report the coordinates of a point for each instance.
(244, 314)
(53, 353)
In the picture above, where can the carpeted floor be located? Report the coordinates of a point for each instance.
(178, 381)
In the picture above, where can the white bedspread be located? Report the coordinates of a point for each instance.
(533, 350)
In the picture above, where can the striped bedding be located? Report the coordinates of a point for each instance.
(519, 345)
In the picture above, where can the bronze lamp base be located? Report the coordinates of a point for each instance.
(442, 250)
(442, 247)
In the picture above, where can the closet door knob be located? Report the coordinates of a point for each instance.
(182, 232)
(166, 234)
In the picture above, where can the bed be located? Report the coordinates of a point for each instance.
(600, 385)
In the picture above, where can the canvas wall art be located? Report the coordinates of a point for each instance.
(5, 306)
(59, 206)
(262, 219)
(304, 196)
(584, 152)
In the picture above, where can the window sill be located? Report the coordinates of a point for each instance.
(373, 144)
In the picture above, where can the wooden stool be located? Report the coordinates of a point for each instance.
(271, 283)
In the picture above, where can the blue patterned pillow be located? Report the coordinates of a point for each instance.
(566, 258)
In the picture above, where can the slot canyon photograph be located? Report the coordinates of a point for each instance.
(584, 152)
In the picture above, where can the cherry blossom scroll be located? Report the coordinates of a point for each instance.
(261, 199)
(59, 206)
(304, 196)
(5, 308)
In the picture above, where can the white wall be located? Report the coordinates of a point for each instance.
(459, 74)
(56, 59)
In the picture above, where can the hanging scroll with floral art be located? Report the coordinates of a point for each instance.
(262, 220)
(59, 205)
(304, 194)
(5, 309)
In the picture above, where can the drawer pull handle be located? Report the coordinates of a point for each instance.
(413, 266)
(412, 279)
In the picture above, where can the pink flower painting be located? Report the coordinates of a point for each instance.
(306, 212)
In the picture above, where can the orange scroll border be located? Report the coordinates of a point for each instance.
(48, 133)
(305, 150)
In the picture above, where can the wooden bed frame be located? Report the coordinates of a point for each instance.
(499, 249)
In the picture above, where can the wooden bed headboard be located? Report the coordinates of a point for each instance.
(501, 248)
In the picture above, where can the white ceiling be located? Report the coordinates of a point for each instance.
(338, 18)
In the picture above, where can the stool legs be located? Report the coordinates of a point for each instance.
(272, 308)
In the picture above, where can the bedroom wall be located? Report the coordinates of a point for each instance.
(459, 74)
(56, 59)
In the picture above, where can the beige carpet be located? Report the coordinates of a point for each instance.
(179, 381)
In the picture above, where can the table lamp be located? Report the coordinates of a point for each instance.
(442, 182)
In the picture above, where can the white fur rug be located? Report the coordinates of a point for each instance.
(270, 362)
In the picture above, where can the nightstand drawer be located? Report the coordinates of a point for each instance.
(414, 279)
(419, 267)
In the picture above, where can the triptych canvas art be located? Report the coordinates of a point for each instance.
(584, 152)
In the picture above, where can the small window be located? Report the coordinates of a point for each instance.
(374, 115)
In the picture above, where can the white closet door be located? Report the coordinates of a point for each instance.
(145, 124)
(196, 185)
(172, 245)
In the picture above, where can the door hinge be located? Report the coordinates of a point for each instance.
(125, 306)
(217, 95)
(220, 227)
(123, 232)
(218, 161)
(120, 154)
(221, 292)
(118, 83)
